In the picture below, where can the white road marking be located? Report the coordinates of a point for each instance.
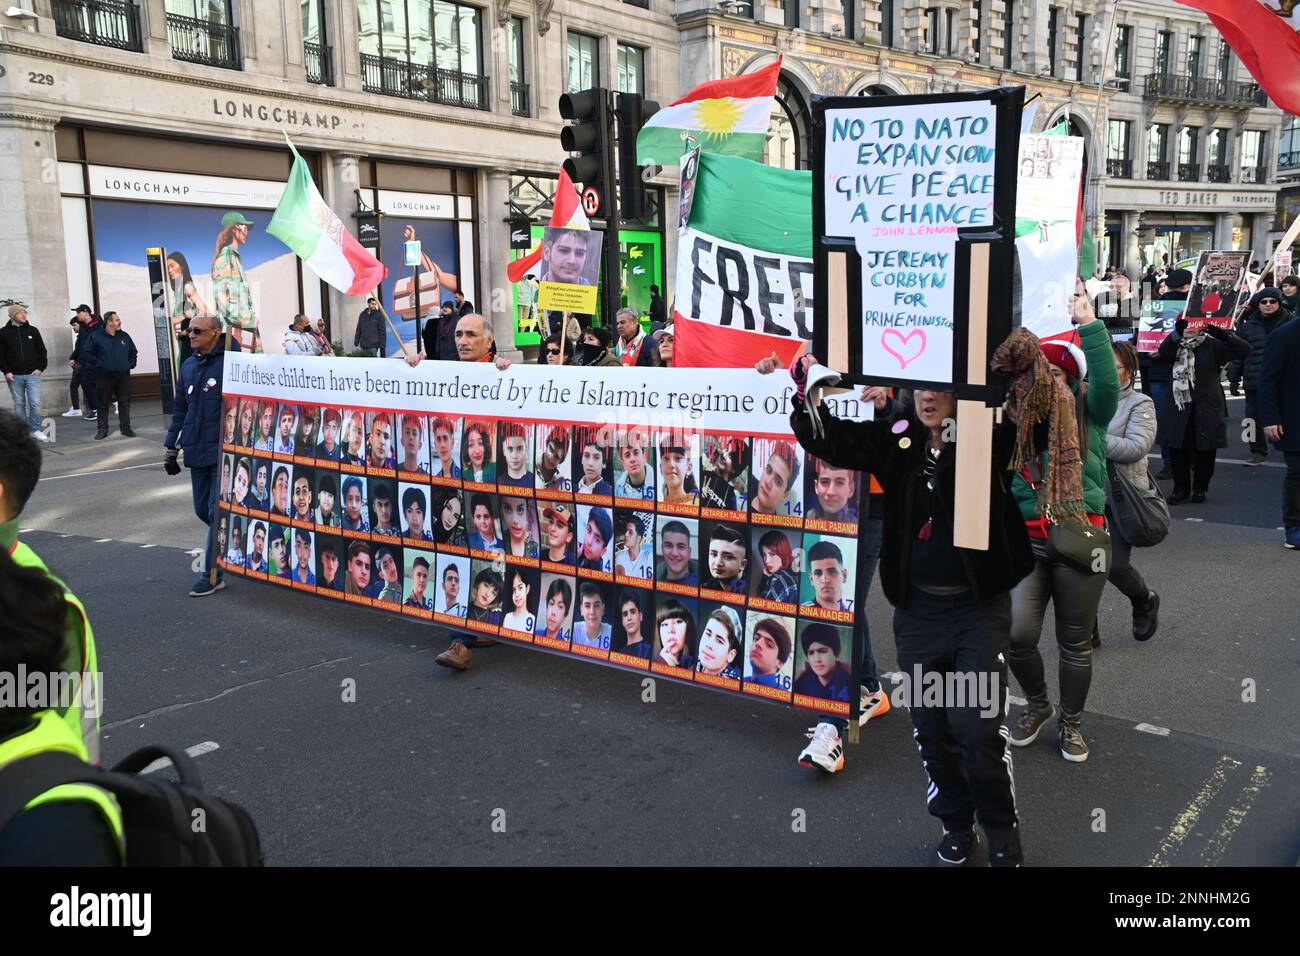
(1195, 520)
(198, 750)
(1232, 461)
(25, 530)
(143, 546)
(106, 471)
(1018, 701)
(103, 540)
(1153, 729)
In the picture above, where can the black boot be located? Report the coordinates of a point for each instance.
(102, 433)
(1146, 617)
(1096, 637)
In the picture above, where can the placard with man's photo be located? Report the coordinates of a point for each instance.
(301, 496)
(596, 542)
(721, 643)
(555, 612)
(381, 459)
(413, 499)
(593, 629)
(286, 427)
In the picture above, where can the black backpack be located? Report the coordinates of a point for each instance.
(158, 815)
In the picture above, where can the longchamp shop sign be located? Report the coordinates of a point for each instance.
(279, 115)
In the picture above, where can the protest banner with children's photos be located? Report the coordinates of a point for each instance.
(640, 579)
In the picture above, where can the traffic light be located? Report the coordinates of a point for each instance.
(633, 111)
(589, 137)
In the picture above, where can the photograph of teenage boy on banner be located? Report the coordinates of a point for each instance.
(277, 551)
(675, 561)
(591, 627)
(631, 634)
(229, 419)
(259, 495)
(419, 565)
(281, 482)
(448, 517)
(831, 493)
(592, 471)
(331, 429)
(634, 557)
(356, 512)
(555, 618)
(721, 641)
(725, 466)
(246, 434)
(514, 456)
(775, 488)
(481, 528)
(287, 419)
(383, 510)
(446, 440)
(415, 511)
(302, 570)
(379, 443)
(388, 567)
(829, 578)
(724, 556)
(255, 553)
(264, 435)
(778, 555)
(235, 548)
(634, 473)
(522, 585)
(820, 657)
(453, 585)
(227, 477)
(414, 458)
(679, 466)
(327, 513)
(478, 453)
(596, 552)
(769, 642)
(359, 578)
(553, 468)
(353, 437)
(300, 508)
(329, 562)
(519, 527)
(304, 439)
(559, 532)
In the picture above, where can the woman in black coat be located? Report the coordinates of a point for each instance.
(1193, 417)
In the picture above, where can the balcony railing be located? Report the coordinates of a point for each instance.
(1119, 168)
(1289, 159)
(202, 41)
(319, 59)
(519, 98)
(1157, 170)
(114, 23)
(1189, 172)
(1254, 174)
(1202, 89)
(1218, 174)
(418, 82)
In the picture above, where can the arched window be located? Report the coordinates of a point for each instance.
(787, 137)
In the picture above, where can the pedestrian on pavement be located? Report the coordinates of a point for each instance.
(1279, 416)
(658, 316)
(464, 306)
(1267, 312)
(1073, 395)
(1157, 373)
(73, 824)
(632, 345)
(196, 431)
(370, 329)
(298, 339)
(1194, 420)
(952, 607)
(23, 360)
(664, 341)
(440, 336)
(322, 338)
(1129, 437)
(90, 323)
(113, 354)
(74, 383)
(20, 469)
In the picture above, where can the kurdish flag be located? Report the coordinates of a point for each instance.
(316, 235)
(744, 285)
(725, 116)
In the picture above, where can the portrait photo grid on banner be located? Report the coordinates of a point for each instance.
(707, 556)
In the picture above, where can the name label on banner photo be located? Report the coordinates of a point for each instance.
(602, 428)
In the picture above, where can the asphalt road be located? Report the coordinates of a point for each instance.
(573, 766)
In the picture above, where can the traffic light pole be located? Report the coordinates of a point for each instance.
(612, 263)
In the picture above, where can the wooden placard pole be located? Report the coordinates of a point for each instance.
(975, 419)
(837, 309)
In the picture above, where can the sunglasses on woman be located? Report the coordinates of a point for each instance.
(554, 351)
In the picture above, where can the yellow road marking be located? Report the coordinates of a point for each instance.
(1228, 829)
(1186, 820)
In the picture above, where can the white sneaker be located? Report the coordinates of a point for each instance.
(115, 408)
(40, 436)
(825, 751)
(872, 705)
(72, 412)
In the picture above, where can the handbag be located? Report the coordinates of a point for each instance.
(1141, 514)
(1070, 543)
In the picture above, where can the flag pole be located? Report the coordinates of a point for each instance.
(384, 312)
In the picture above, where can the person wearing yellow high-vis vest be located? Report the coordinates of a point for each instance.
(66, 824)
(20, 468)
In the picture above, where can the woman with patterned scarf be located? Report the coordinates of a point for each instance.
(1063, 482)
(1195, 423)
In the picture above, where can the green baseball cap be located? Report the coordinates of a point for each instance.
(235, 219)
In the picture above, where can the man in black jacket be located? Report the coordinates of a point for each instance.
(1158, 374)
(22, 360)
(370, 329)
(89, 323)
(114, 355)
(1265, 315)
(1279, 417)
(463, 305)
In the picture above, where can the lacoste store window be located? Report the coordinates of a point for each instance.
(207, 206)
(434, 206)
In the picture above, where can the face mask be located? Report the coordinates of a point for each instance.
(588, 354)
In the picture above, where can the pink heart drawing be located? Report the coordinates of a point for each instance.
(900, 353)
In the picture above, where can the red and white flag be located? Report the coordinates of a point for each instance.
(566, 211)
(1266, 35)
